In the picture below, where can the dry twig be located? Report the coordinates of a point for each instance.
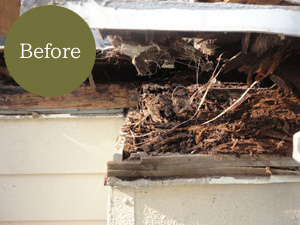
(239, 101)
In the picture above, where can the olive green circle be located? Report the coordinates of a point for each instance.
(61, 27)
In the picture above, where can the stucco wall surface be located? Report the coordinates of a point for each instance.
(228, 204)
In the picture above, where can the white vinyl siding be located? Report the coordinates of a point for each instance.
(52, 170)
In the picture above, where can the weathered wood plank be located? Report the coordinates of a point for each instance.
(202, 165)
(203, 172)
(121, 95)
(242, 160)
(105, 96)
(9, 12)
(203, 161)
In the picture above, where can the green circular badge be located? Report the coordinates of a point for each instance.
(50, 51)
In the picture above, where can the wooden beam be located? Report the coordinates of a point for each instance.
(203, 161)
(193, 173)
(9, 12)
(85, 97)
(185, 166)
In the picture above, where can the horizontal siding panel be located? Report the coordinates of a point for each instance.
(57, 146)
(53, 197)
(95, 222)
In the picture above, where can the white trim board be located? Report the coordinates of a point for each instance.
(176, 16)
(204, 17)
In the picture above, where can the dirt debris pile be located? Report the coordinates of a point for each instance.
(263, 123)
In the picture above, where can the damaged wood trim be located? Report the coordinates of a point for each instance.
(206, 161)
(123, 95)
(85, 97)
(203, 165)
(199, 172)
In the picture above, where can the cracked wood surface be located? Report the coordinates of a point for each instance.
(105, 96)
(186, 166)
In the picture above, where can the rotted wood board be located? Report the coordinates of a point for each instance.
(85, 97)
(186, 166)
(118, 95)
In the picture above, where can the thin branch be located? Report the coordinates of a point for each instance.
(233, 105)
(92, 82)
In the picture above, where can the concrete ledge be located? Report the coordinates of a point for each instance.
(273, 179)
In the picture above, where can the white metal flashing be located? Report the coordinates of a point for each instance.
(174, 16)
(181, 16)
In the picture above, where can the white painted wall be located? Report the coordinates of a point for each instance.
(212, 204)
(52, 170)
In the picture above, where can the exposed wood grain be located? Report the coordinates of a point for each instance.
(264, 54)
(246, 42)
(289, 71)
(9, 12)
(202, 165)
(200, 172)
(204, 161)
(221, 160)
(105, 96)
